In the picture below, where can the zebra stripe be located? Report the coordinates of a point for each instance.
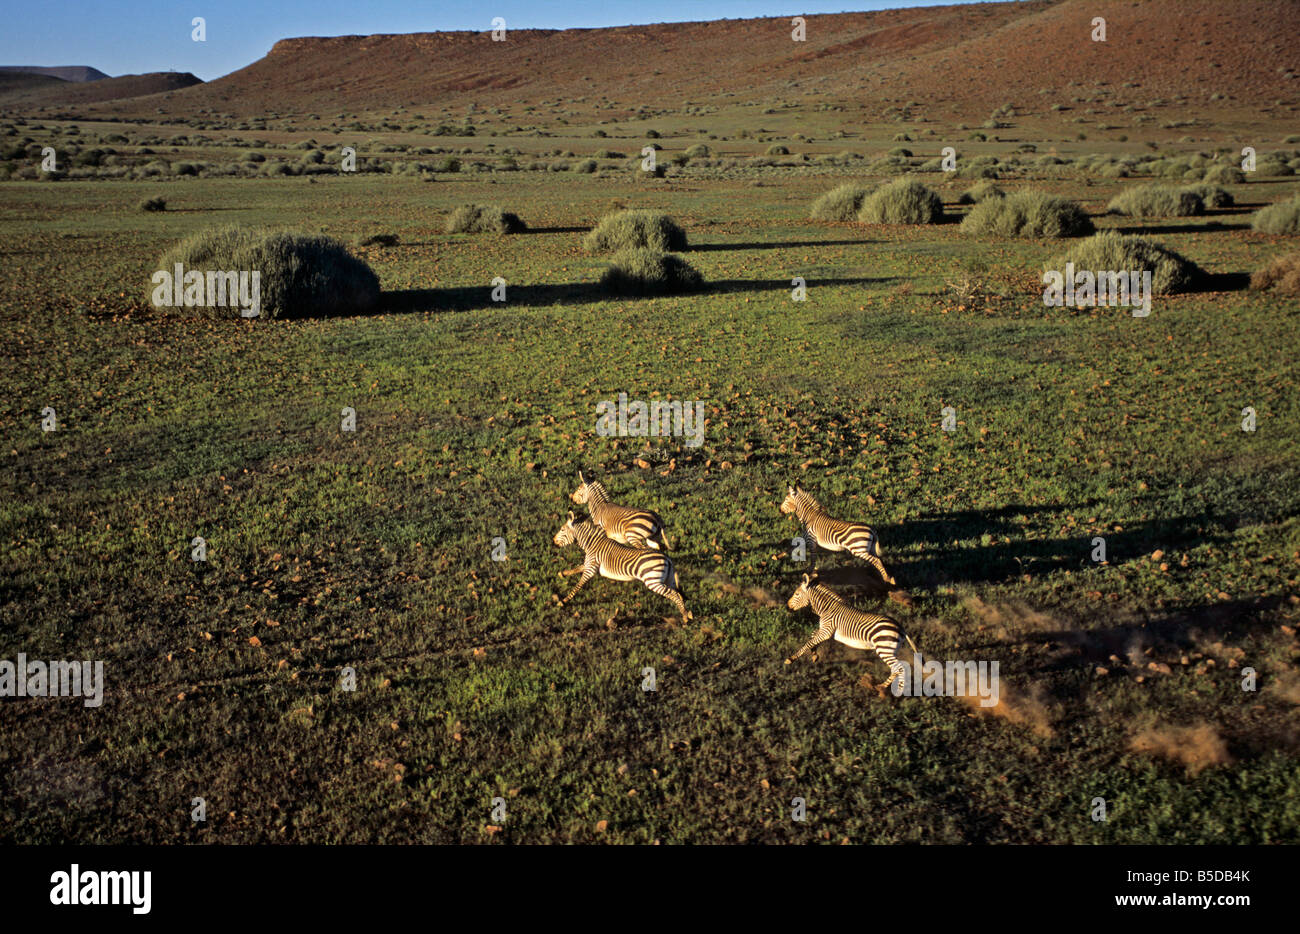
(848, 625)
(603, 555)
(857, 538)
(639, 528)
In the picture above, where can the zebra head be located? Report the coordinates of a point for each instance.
(803, 596)
(794, 495)
(567, 535)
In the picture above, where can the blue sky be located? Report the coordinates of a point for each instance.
(154, 35)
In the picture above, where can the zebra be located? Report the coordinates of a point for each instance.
(854, 537)
(621, 563)
(849, 626)
(639, 528)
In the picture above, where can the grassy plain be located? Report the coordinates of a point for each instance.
(373, 550)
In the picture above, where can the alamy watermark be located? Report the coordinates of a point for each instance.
(933, 678)
(655, 419)
(88, 887)
(52, 679)
(209, 289)
(1084, 288)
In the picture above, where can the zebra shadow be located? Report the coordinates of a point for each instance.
(1184, 629)
(920, 553)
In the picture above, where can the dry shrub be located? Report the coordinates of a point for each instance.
(1109, 250)
(1197, 747)
(904, 201)
(301, 274)
(1028, 214)
(649, 272)
(1157, 201)
(483, 218)
(1281, 275)
(841, 203)
(1213, 196)
(1280, 218)
(1224, 175)
(981, 192)
(635, 230)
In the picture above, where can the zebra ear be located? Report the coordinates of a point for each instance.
(570, 518)
(580, 478)
(806, 580)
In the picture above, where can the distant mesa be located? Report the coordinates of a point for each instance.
(19, 88)
(960, 60)
(66, 72)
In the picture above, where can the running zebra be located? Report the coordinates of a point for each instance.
(850, 626)
(621, 563)
(639, 528)
(832, 534)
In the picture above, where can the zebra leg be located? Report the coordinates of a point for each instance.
(672, 595)
(869, 556)
(642, 544)
(824, 632)
(588, 572)
(897, 667)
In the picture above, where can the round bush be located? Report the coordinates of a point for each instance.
(698, 151)
(1028, 214)
(483, 218)
(777, 151)
(1223, 175)
(585, 166)
(840, 204)
(301, 274)
(904, 201)
(981, 192)
(1273, 167)
(1280, 218)
(152, 205)
(974, 170)
(635, 230)
(649, 272)
(1213, 196)
(1156, 201)
(1112, 252)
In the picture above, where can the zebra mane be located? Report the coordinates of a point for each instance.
(585, 528)
(822, 590)
(803, 498)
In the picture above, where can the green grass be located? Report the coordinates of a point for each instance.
(373, 549)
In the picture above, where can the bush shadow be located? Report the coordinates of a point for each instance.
(773, 245)
(1210, 227)
(462, 298)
